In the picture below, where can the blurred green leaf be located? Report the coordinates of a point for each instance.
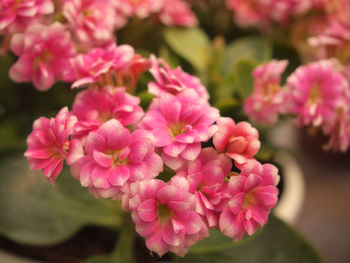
(102, 259)
(253, 48)
(169, 56)
(36, 213)
(124, 250)
(243, 75)
(275, 243)
(146, 99)
(190, 43)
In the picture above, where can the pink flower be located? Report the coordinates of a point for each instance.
(266, 101)
(49, 142)
(106, 66)
(180, 123)
(205, 177)
(92, 21)
(173, 81)
(164, 215)
(250, 197)
(239, 141)
(314, 91)
(177, 13)
(140, 8)
(17, 15)
(338, 129)
(333, 42)
(44, 52)
(263, 12)
(113, 157)
(93, 107)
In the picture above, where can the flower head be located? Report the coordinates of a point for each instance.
(180, 123)
(265, 103)
(93, 107)
(239, 141)
(250, 197)
(177, 13)
(314, 91)
(48, 144)
(173, 81)
(92, 21)
(43, 53)
(205, 179)
(17, 15)
(164, 214)
(113, 158)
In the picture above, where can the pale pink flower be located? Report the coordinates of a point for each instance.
(333, 42)
(91, 21)
(112, 157)
(49, 142)
(164, 215)
(266, 101)
(180, 123)
(250, 197)
(263, 13)
(314, 91)
(177, 13)
(239, 141)
(93, 107)
(44, 52)
(173, 81)
(338, 129)
(205, 177)
(139, 8)
(17, 15)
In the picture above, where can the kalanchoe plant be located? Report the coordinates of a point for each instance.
(119, 152)
(173, 142)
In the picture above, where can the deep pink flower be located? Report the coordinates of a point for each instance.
(250, 197)
(17, 15)
(49, 142)
(314, 91)
(205, 177)
(93, 107)
(112, 157)
(180, 123)
(92, 21)
(164, 215)
(113, 65)
(173, 81)
(177, 13)
(239, 141)
(266, 101)
(44, 52)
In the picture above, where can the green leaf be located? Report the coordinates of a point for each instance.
(243, 75)
(275, 243)
(124, 250)
(102, 259)
(190, 43)
(146, 99)
(37, 213)
(169, 56)
(253, 48)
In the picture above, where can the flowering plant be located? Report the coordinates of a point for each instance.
(184, 155)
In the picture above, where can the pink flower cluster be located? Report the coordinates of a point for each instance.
(118, 151)
(48, 36)
(262, 13)
(318, 94)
